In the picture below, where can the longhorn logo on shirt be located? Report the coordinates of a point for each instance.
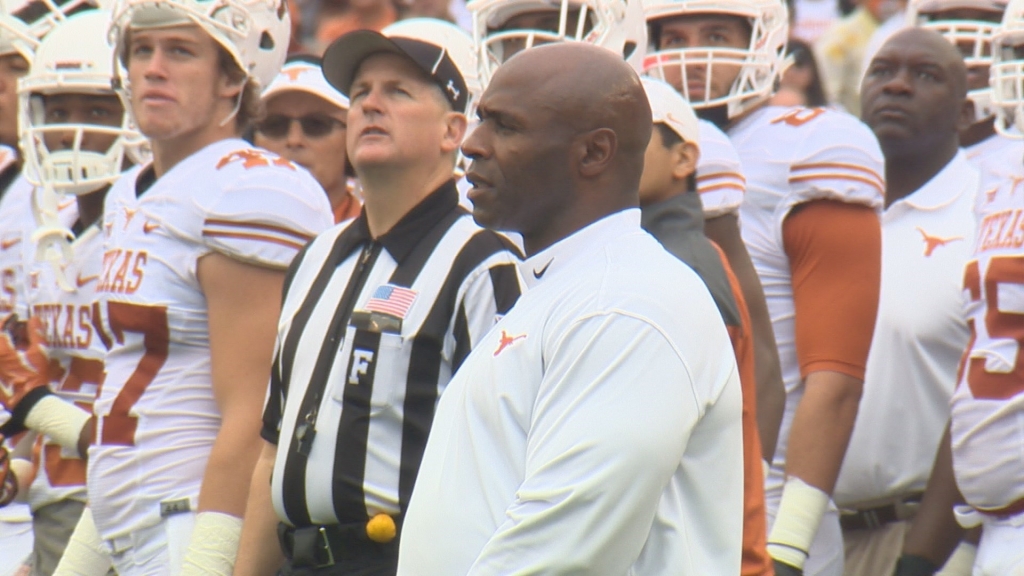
(933, 242)
(507, 341)
(129, 213)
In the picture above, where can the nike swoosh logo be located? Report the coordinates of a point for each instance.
(4, 245)
(539, 273)
(83, 281)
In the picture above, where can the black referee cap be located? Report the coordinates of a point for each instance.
(344, 55)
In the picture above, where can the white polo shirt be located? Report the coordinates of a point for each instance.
(595, 429)
(919, 338)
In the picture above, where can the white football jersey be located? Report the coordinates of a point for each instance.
(157, 418)
(992, 155)
(720, 180)
(792, 156)
(16, 225)
(988, 403)
(73, 334)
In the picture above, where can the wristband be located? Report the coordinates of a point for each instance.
(60, 420)
(213, 546)
(796, 524)
(85, 552)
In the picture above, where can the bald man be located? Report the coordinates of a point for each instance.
(914, 98)
(596, 429)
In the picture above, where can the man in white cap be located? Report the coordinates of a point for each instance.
(305, 122)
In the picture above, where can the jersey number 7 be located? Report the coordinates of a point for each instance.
(150, 321)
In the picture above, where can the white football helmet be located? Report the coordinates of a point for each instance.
(617, 25)
(24, 23)
(254, 32)
(1007, 72)
(760, 64)
(74, 57)
(973, 37)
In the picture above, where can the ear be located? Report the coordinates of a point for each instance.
(684, 159)
(598, 153)
(454, 131)
(966, 117)
(228, 89)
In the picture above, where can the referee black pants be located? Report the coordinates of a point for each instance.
(368, 568)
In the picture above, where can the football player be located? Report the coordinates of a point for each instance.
(982, 449)
(810, 221)
(195, 247)
(74, 137)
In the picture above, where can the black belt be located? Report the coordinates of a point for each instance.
(322, 546)
(871, 518)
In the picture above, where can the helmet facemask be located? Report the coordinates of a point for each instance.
(614, 24)
(72, 62)
(692, 70)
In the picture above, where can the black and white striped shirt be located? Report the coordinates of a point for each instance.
(371, 332)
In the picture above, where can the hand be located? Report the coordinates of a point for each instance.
(8, 480)
(913, 565)
(783, 569)
(24, 369)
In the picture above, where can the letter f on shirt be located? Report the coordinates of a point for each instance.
(361, 360)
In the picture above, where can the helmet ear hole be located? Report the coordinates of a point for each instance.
(266, 41)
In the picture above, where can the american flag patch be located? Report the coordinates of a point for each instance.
(391, 299)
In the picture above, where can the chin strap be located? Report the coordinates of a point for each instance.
(238, 104)
(51, 237)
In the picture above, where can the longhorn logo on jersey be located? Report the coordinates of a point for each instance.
(253, 159)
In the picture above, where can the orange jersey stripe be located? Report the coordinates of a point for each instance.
(839, 165)
(716, 175)
(260, 237)
(838, 176)
(256, 226)
(712, 188)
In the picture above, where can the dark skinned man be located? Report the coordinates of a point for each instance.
(599, 421)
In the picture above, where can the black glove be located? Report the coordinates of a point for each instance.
(912, 565)
(783, 569)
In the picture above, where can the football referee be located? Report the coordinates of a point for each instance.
(378, 314)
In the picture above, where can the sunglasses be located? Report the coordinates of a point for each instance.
(313, 125)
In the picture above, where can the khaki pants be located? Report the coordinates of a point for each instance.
(874, 552)
(52, 526)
